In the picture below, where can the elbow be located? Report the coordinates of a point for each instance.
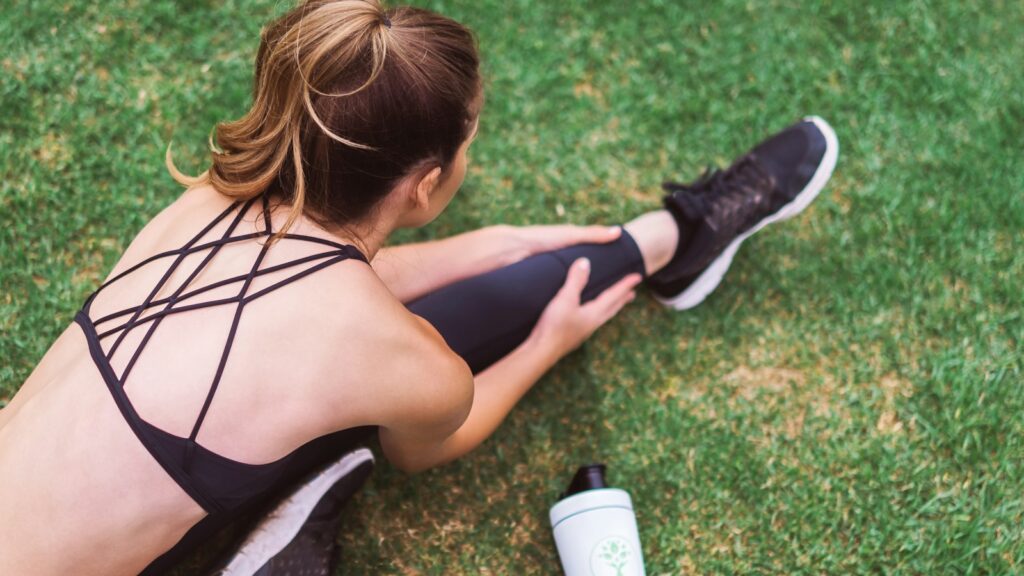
(409, 459)
(419, 460)
(411, 466)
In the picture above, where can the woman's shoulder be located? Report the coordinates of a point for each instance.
(380, 341)
(366, 310)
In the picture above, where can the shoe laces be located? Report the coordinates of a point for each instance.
(723, 192)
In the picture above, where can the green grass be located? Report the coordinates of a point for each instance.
(849, 401)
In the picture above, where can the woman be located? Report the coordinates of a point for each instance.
(257, 328)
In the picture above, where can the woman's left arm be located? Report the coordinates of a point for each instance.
(413, 270)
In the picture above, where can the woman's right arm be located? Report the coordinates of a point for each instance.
(565, 324)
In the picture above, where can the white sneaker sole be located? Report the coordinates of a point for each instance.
(283, 523)
(706, 283)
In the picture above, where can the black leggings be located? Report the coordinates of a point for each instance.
(485, 317)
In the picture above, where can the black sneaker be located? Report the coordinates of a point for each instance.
(774, 181)
(299, 537)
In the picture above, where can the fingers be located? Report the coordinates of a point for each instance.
(609, 302)
(596, 234)
(576, 280)
(558, 236)
(571, 322)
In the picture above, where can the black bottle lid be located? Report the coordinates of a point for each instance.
(589, 477)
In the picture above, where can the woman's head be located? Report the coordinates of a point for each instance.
(349, 101)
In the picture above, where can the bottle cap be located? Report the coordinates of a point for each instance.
(589, 477)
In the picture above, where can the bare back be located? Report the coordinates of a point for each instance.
(298, 369)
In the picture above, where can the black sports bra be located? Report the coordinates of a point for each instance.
(222, 486)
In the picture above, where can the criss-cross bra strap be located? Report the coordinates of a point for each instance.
(328, 258)
(174, 266)
(190, 448)
(215, 285)
(172, 298)
(187, 250)
(153, 310)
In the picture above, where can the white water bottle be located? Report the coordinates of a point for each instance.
(595, 528)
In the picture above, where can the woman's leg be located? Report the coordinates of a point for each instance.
(485, 317)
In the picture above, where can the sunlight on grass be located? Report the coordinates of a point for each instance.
(849, 401)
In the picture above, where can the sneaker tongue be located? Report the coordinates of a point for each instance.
(687, 207)
(693, 257)
(692, 206)
(696, 240)
(696, 235)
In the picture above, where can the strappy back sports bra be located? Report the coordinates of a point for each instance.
(223, 487)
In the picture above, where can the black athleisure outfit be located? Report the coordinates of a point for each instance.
(482, 318)
(485, 317)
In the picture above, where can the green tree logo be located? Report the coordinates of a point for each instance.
(612, 556)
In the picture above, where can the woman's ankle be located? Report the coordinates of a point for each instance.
(657, 235)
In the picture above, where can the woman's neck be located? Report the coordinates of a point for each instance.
(369, 238)
(368, 235)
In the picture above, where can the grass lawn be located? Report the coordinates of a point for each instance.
(849, 401)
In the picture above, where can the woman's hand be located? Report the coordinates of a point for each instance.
(565, 323)
(521, 242)
(412, 270)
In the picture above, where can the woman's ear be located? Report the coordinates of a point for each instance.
(425, 187)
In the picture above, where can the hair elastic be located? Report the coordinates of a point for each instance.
(386, 21)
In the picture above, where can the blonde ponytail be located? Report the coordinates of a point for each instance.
(319, 132)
